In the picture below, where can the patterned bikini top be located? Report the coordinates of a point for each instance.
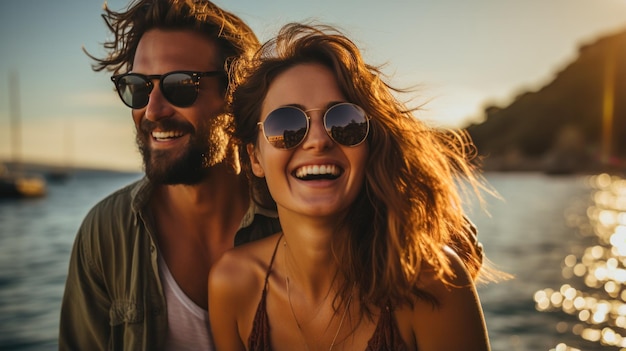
(386, 337)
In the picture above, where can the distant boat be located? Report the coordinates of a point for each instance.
(57, 175)
(15, 184)
(61, 173)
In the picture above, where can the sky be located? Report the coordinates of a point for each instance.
(461, 54)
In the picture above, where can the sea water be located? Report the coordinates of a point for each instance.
(529, 234)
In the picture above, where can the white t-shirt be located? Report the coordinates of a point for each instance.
(188, 323)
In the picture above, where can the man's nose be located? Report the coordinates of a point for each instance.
(158, 107)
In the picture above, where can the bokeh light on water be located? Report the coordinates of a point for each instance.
(595, 294)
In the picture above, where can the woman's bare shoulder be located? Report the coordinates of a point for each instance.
(456, 311)
(459, 277)
(244, 267)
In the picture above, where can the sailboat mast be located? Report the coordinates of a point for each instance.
(15, 115)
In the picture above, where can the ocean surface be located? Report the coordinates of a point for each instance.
(542, 232)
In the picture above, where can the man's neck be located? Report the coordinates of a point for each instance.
(212, 206)
(195, 225)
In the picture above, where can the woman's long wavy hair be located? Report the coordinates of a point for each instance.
(410, 206)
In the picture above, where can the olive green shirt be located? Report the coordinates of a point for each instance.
(113, 296)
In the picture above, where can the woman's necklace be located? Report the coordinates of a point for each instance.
(293, 312)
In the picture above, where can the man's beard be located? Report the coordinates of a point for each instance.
(207, 147)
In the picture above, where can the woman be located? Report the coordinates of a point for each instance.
(369, 204)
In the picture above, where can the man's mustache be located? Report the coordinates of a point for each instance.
(166, 124)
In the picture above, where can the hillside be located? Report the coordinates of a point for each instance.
(577, 122)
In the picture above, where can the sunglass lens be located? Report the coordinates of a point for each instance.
(134, 90)
(285, 127)
(346, 124)
(179, 89)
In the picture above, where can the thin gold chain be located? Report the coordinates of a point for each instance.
(319, 306)
(293, 312)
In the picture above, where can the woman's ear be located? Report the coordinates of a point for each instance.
(254, 161)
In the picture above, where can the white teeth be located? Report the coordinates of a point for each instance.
(317, 170)
(166, 135)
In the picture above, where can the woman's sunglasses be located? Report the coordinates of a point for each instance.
(286, 127)
(180, 88)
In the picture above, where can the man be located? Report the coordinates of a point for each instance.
(138, 272)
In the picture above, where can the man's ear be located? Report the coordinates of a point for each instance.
(254, 161)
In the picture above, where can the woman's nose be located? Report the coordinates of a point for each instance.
(317, 137)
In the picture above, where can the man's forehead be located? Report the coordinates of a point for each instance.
(176, 50)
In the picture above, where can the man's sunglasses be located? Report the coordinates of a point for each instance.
(286, 127)
(180, 88)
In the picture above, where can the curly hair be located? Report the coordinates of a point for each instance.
(233, 37)
(411, 204)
